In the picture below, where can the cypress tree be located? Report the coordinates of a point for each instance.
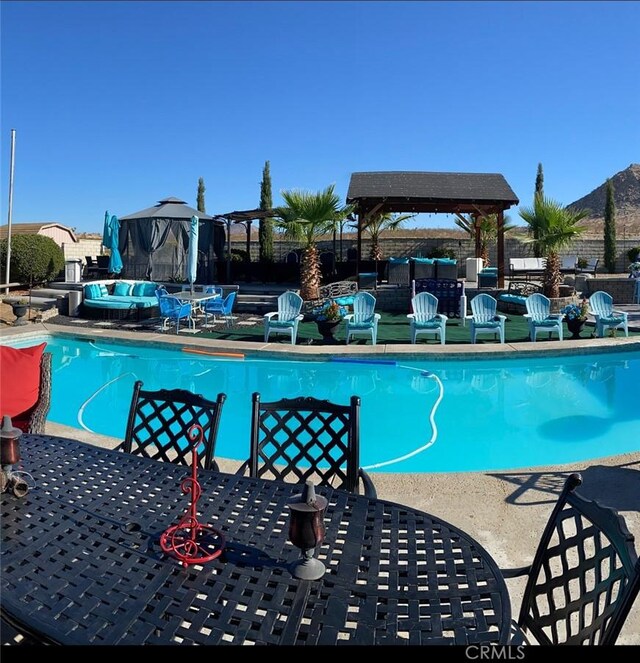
(539, 193)
(265, 231)
(610, 230)
(540, 182)
(200, 196)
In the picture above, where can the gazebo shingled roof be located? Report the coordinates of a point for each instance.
(477, 194)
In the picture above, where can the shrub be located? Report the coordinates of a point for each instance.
(34, 258)
(633, 254)
(439, 252)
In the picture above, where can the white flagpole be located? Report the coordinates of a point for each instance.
(10, 214)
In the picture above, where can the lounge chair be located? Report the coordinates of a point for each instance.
(601, 308)
(483, 318)
(425, 318)
(363, 321)
(305, 438)
(286, 319)
(540, 318)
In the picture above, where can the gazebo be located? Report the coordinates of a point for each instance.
(154, 242)
(477, 194)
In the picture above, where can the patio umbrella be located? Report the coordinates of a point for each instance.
(192, 258)
(110, 239)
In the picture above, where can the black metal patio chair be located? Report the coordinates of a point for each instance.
(584, 577)
(160, 420)
(305, 438)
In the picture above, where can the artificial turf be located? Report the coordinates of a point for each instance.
(392, 328)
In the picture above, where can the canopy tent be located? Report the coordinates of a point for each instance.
(477, 194)
(154, 243)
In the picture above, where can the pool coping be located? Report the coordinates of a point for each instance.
(253, 348)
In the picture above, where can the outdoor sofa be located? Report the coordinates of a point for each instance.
(526, 267)
(120, 299)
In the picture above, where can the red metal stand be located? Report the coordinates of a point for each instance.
(189, 541)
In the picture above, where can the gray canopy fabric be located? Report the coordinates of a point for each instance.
(154, 243)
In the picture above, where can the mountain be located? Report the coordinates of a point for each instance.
(626, 195)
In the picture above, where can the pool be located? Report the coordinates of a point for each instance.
(439, 415)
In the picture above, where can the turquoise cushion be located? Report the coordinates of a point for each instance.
(108, 302)
(92, 291)
(398, 261)
(138, 289)
(431, 324)
(282, 323)
(424, 261)
(149, 289)
(491, 271)
(344, 301)
(122, 289)
(103, 290)
(445, 261)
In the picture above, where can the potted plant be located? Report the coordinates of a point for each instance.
(328, 318)
(575, 316)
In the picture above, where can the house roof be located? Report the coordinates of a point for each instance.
(413, 191)
(33, 229)
(168, 208)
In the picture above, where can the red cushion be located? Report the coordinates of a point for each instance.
(19, 379)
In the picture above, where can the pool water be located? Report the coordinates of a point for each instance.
(493, 414)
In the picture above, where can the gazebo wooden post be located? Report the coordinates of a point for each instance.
(359, 244)
(228, 250)
(248, 260)
(476, 234)
(500, 217)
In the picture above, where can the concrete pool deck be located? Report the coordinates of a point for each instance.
(505, 510)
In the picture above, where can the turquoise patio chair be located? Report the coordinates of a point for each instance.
(601, 308)
(286, 319)
(540, 318)
(224, 307)
(172, 309)
(425, 318)
(483, 318)
(364, 320)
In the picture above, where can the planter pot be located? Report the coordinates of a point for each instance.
(326, 329)
(19, 310)
(575, 327)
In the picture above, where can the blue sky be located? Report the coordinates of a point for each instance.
(119, 104)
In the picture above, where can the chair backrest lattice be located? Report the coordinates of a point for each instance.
(306, 438)
(483, 308)
(159, 421)
(583, 578)
(538, 307)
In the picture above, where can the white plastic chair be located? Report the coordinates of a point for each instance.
(601, 308)
(363, 321)
(540, 318)
(286, 319)
(483, 318)
(425, 318)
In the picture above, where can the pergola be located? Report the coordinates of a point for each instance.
(476, 194)
(247, 217)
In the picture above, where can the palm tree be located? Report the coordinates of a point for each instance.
(552, 227)
(305, 218)
(488, 229)
(377, 224)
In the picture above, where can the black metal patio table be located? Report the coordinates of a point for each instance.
(81, 562)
